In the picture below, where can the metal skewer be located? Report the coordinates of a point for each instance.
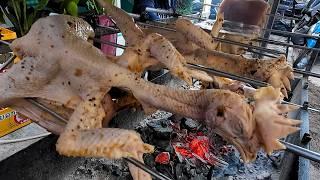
(223, 40)
(306, 73)
(286, 44)
(245, 45)
(146, 169)
(287, 33)
(306, 153)
(224, 74)
(300, 106)
(43, 107)
(290, 147)
(228, 75)
(314, 156)
(5, 42)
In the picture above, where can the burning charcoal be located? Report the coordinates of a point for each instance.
(158, 123)
(163, 133)
(204, 170)
(189, 124)
(165, 169)
(163, 158)
(175, 118)
(169, 148)
(146, 134)
(179, 172)
(162, 145)
(198, 177)
(160, 128)
(192, 172)
(230, 171)
(215, 172)
(149, 160)
(116, 170)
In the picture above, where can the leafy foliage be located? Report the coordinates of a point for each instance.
(21, 16)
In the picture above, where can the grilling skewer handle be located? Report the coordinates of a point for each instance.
(306, 153)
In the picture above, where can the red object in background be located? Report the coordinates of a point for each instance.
(163, 158)
(107, 49)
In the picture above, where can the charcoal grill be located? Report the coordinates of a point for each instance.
(297, 155)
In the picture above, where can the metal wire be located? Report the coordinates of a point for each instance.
(7, 63)
(109, 43)
(286, 44)
(168, 12)
(228, 75)
(146, 169)
(287, 33)
(290, 147)
(306, 73)
(223, 40)
(249, 47)
(5, 42)
(283, 17)
(43, 107)
(300, 106)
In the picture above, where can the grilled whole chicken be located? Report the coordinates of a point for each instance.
(59, 66)
(200, 47)
(143, 50)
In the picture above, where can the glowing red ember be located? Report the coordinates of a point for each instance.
(163, 158)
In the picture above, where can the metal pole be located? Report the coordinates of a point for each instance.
(274, 8)
(306, 153)
(228, 75)
(146, 169)
(304, 164)
(287, 33)
(287, 44)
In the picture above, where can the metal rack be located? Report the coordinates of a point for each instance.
(300, 85)
(299, 98)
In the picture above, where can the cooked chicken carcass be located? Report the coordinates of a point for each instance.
(274, 71)
(143, 49)
(77, 75)
(199, 47)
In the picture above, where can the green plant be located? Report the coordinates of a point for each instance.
(21, 16)
(71, 6)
